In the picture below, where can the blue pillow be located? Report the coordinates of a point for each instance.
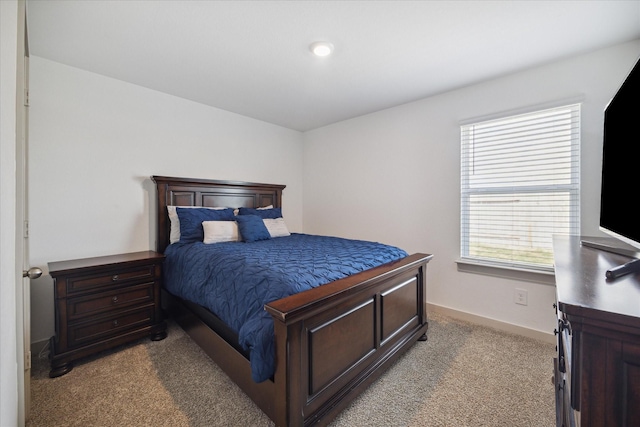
(252, 228)
(191, 221)
(262, 213)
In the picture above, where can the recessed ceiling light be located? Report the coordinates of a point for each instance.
(321, 48)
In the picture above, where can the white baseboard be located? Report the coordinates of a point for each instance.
(492, 323)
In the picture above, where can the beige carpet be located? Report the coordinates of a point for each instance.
(464, 375)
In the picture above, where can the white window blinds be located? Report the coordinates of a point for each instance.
(520, 185)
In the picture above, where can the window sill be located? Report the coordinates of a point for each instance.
(545, 277)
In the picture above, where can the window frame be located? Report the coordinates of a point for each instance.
(472, 263)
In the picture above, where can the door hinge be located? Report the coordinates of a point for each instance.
(26, 97)
(26, 228)
(27, 360)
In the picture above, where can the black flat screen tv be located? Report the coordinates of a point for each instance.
(620, 191)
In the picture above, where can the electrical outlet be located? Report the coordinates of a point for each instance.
(520, 297)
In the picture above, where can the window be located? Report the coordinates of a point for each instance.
(520, 185)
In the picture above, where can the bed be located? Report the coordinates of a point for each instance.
(330, 342)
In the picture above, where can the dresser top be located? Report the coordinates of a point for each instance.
(61, 267)
(582, 288)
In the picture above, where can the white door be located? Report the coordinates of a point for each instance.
(23, 292)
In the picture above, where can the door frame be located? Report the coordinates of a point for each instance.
(10, 267)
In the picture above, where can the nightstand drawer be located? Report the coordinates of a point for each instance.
(108, 301)
(80, 284)
(84, 333)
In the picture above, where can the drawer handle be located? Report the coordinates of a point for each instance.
(564, 325)
(114, 299)
(115, 278)
(115, 323)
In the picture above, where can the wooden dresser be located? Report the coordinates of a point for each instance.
(104, 302)
(597, 368)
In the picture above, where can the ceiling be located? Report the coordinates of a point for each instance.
(253, 57)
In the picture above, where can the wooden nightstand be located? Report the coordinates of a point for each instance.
(103, 302)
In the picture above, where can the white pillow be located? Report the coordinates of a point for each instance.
(220, 231)
(267, 207)
(174, 235)
(276, 227)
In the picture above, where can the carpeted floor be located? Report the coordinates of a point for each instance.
(464, 375)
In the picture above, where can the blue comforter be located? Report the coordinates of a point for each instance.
(235, 280)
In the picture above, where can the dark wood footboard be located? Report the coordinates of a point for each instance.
(334, 340)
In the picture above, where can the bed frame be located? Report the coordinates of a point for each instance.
(331, 342)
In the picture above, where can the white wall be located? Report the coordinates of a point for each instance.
(8, 322)
(391, 176)
(394, 176)
(94, 143)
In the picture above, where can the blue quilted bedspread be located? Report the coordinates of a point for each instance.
(235, 280)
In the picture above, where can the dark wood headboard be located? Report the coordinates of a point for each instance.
(209, 193)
